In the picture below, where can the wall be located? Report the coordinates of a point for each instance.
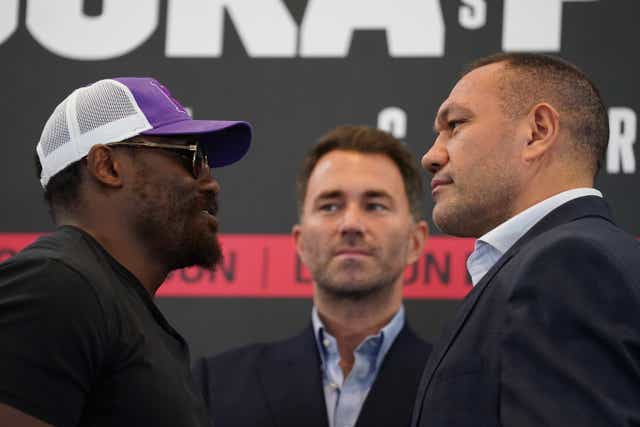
(295, 69)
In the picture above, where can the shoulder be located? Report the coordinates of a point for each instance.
(593, 229)
(51, 302)
(44, 279)
(244, 356)
(44, 286)
(410, 347)
(77, 262)
(250, 355)
(580, 243)
(589, 264)
(220, 372)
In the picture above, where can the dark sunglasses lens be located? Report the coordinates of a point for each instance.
(199, 162)
(186, 158)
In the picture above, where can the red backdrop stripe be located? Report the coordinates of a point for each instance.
(266, 265)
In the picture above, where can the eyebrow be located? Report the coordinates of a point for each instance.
(443, 114)
(372, 194)
(327, 195)
(333, 194)
(330, 194)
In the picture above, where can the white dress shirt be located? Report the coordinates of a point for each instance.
(490, 247)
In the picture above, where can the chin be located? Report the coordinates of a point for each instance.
(351, 282)
(440, 220)
(350, 291)
(450, 221)
(208, 261)
(201, 250)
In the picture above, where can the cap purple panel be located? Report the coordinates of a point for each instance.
(224, 141)
(191, 126)
(154, 100)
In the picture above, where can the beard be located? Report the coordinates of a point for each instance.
(170, 221)
(477, 211)
(356, 279)
(354, 289)
(481, 199)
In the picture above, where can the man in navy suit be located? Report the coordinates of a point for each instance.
(357, 363)
(550, 333)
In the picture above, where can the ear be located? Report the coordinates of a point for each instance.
(296, 232)
(104, 167)
(416, 242)
(543, 130)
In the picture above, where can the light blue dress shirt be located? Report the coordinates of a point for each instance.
(344, 396)
(489, 248)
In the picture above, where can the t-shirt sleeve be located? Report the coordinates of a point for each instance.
(53, 334)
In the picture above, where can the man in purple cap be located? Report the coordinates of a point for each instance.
(126, 173)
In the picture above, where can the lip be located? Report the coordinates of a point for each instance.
(439, 182)
(209, 206)
(211, 219)
(212, 208)
(353, 253)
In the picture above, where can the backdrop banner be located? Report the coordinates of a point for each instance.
(296, 69)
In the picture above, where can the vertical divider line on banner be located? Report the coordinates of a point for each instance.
(267, 266)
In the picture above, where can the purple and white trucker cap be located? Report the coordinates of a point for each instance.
(113, 110)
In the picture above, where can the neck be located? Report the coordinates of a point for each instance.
(128, 251)
(350, 321)
(544, 180)
(543, 192)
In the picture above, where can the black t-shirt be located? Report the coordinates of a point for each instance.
(82, 342)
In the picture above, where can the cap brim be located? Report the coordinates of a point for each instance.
(225, 142)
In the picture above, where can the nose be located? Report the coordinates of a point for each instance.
(436, 157)
(209, 184)
(352, 222)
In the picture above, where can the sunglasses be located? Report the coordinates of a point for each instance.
(198, 161)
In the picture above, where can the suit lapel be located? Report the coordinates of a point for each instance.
(448, 336)
(290, 376)
(570, 211)
(389, 400)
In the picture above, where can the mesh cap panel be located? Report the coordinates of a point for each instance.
(56, 132)
(113, 110)
(102, 104)
(103, 112)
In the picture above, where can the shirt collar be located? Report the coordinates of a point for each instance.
(506, 234)
(492, 245)
(384, 338)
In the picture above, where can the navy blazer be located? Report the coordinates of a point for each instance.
(549, 337)
(280, 384)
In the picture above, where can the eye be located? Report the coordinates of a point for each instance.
(454, 124)
(375, 206)
(328, 207)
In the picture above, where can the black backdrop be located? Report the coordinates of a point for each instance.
(283, 65)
